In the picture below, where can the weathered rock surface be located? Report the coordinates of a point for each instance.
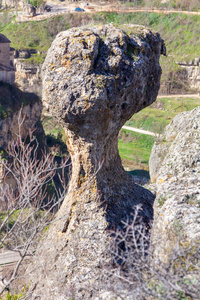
(94, 79)
(175, 162)
(193, 72)
(12, 100)
(28, 76)
(29, 10)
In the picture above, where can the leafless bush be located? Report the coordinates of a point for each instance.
(136, 274)
(27, 175)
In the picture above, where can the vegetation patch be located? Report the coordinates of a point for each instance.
(158, 115)
(135, 146)
(12, 99)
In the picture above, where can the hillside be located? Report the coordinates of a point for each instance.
(179, 31)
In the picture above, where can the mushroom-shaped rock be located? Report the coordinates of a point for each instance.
(94, 80)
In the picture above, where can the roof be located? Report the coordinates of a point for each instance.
(4, 39)
(79, 9)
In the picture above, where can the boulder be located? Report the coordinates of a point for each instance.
(24, 54)
(175, 162)
(29, 10)
(94, 80)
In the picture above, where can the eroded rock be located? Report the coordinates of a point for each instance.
(94, 80)
(177, 205)
(29, 10)
(15, 107)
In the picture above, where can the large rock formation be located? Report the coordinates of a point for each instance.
(29, 10)
(175, 162)
(94, 80)
(193, 72)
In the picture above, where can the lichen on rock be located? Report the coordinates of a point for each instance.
(94, 80)
(177, 205)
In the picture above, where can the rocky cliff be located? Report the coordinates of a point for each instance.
(175, 165)
(94, 80)
(27, 75)
(12, 100)
(192, 69)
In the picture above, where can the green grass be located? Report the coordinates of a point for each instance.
(11, 296)
(134, 146)
(137, 147)
(55, 135)
(156, 119)
(34, 35)
(52, 127)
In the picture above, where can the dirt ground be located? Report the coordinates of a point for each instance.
(60, 8)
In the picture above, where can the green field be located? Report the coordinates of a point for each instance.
(137, 147)
(158, 115)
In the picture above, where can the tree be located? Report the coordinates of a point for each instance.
(27, 203)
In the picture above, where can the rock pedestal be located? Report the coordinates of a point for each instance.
(94, 80)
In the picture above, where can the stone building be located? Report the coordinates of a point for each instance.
(7, 70)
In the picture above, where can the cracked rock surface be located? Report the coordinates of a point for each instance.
(94, 80)
(177, 204)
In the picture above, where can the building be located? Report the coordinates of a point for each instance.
(7, 70)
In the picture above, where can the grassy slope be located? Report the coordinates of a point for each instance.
(137, 147)
(157, 116)
(179, 31)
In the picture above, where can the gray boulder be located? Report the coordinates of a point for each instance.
(24, 54)
(177, 205)
(29, 10)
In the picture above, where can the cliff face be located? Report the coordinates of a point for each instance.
(175, 163)
(94, 79)
(193, 72)
(12, 100)
(28, 76)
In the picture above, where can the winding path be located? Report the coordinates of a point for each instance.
(140, 130)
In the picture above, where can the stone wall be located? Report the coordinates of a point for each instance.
(193, 72)
(5, 54)
(28, 76)
(7, 76)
